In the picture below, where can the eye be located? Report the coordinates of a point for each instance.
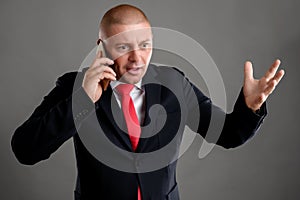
(123, 48)
(146, 45)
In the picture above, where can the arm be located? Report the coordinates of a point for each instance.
(51, 123)
(248, 113)
(227, 130)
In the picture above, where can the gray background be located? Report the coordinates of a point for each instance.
(41, 40)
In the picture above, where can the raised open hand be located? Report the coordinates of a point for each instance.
(256, 91)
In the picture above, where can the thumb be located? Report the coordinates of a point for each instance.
(248, 71)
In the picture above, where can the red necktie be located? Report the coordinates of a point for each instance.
(132, 121)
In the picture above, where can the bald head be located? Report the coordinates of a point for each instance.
(122, 14)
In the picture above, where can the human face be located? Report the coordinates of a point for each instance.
(130, 46)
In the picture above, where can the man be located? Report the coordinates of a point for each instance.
(126, 36)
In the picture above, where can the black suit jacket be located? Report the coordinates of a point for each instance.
(67, 110)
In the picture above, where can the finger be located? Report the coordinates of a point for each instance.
(274, 82)
(106, 75)
(97, 73)
(271, 86)
(101, 69)
(102, 61)
(110, 70)
(278, 76)
(248, 71)
(272, 70)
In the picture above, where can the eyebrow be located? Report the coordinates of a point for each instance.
(126, 43)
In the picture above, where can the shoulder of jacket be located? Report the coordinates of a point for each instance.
(160, 68)
(68, 78)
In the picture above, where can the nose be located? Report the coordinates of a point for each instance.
(134, 56)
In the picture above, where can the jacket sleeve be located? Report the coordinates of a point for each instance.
(228, 130)
(52, 122)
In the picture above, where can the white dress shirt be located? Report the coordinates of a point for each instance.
(137, 95)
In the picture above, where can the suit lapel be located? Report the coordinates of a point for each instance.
(108, 104)
(152, 96)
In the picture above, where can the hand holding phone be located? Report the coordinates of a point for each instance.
(98, 76)
(105, 82)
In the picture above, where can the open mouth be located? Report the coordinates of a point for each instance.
(134, 70)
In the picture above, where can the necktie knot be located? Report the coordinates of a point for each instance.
(124, 89)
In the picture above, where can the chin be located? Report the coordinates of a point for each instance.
(130, 79)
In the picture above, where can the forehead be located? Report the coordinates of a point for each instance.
(117, 33)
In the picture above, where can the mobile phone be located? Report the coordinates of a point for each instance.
(100, 47)
(105, 82)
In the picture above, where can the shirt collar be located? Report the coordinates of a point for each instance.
(114, 84)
